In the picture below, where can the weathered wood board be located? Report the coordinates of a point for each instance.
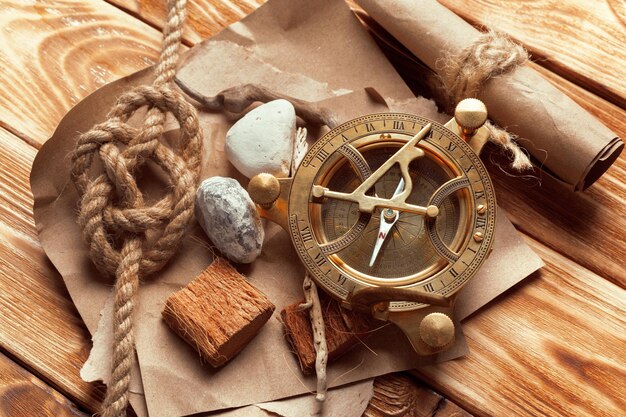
(24, 395)
(552, 345)
(55, 53)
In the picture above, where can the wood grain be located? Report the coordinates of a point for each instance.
(558, 335)
(580, 40)
(550, 346)
(554, 345)
(205, 18)
(55, 53)
(24, 395)
(38, 324)
(400, 395)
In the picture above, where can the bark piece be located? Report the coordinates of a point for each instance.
(218, 312)
(343, 329)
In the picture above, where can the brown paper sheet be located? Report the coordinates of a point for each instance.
(271, 370)
(301, 42)
(346, 401)
(572, 144)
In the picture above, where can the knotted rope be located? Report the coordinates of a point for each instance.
(465, 74)
(127, 238)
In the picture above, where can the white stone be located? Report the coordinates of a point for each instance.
(230, 219)
(263, 140)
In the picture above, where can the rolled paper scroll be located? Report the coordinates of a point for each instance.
(572, 144)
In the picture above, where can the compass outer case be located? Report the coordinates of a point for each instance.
(429, 254)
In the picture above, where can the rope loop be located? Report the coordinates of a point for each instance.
(128, 238)
(112, 204)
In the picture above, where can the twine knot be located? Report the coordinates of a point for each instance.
(127, 237)
(464, 75)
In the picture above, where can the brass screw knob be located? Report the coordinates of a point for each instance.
(264, 189)
(470, 114)
(437, 330)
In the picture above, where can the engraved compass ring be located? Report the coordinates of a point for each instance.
(391, 213)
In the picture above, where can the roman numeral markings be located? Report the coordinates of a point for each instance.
(369, 127)
(398, 125)
(429, 287)
(319, 259)
(453, 273)
(322, 154)
(341, 279)
(451, 146)
(469, 168)
(479, 194)
(481, 223)
(306, 234)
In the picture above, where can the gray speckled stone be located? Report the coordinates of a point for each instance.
(229, 218)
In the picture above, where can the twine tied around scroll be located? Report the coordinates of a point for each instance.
(127, 238)
(464, 75)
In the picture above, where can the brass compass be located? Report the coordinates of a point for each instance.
(391, 213)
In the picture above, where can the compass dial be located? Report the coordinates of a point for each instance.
(371, 205)
(407, 237)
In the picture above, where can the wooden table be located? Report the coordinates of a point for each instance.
(553, 345)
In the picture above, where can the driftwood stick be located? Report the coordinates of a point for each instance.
(313, 304)
(237, 99)
(343, 330)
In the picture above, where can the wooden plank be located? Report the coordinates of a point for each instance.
(36, 340)
(54, 54)
(582, 42)
(205, 18)
(554, 345)
(24, 395)
(38, 324)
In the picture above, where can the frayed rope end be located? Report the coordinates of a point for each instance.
(506, 140)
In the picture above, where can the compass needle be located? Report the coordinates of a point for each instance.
(400, 175)
(388, 218)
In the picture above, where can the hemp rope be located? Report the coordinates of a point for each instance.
(127, 238)
(464, 75)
